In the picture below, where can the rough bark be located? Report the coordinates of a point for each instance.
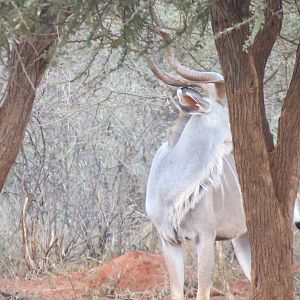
(268, 175)
(285, 159)
(27, 64)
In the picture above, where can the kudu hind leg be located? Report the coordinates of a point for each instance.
(205, 249)
(173, 254)
(243, 253)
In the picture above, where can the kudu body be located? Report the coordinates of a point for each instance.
(193, 189)
(193, 192)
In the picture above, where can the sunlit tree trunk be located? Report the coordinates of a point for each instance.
(268, 174)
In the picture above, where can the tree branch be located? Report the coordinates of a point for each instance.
(286, 156)
(265, 38)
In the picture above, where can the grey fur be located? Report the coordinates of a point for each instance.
(175, 131)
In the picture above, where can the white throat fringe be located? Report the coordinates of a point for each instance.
(211, 178)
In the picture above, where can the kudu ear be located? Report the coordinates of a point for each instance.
(192, 101)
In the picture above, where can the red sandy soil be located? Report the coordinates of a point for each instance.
(136, 272)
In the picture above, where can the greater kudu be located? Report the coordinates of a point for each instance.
(193, 190)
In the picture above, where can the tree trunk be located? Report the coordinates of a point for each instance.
(268, 175)
(27, 64)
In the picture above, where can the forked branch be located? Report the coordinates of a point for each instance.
(267, 36)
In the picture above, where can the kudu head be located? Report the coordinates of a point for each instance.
(193, 84)
(196, 90)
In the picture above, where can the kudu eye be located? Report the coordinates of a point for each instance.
(184, 89)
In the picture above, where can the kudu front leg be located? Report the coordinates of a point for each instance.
(173, 254)
(205, 249)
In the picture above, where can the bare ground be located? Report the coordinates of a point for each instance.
(134, 275)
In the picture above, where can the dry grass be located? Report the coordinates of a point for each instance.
(228, 280)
